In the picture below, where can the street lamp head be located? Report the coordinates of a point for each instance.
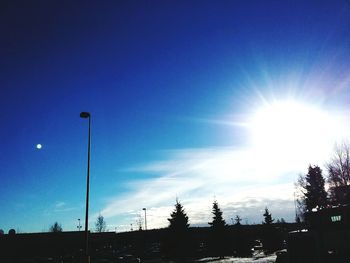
(84, 114)
(144, 209)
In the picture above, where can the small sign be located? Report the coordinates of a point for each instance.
(336, 218)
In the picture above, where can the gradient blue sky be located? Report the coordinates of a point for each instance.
(171, 86)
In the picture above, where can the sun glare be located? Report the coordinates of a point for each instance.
(290, 128)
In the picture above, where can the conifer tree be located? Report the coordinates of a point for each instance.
(313, 189)
(316, 196)
(56, 227)
(177, 243)
(218, 242)
(218, 222)
(267, 217)
(178, 218)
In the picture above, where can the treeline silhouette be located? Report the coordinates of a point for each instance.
(177, 242)
(220, 239)
(195, 242)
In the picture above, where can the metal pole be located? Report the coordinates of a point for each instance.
(87, 115)
(79, 226)
(87, 196)
(145, 218)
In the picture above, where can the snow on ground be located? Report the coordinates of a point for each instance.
(257, 258)
(265, 259)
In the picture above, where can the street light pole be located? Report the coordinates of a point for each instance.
(79, 226)
(144, 209)
(87, 115)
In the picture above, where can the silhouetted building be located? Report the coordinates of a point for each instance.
(326, 239)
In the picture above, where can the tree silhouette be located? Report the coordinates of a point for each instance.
(218, 222)
(178, 219)
(339, 175)
(312, 187)
(267, 217)
(56, 227)
(218, 242)
(100, 224)
(238, 220)
(272, 239)
(177, 243)
(241, 240)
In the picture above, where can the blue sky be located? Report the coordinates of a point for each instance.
(174, 89)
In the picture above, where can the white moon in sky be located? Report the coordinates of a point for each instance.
(39, 146)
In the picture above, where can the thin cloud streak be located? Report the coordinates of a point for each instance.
(242, 180)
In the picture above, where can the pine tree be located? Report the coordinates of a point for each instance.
(177, 243)
(178, 219)
(267, 217)
(56, 227)
(316, 195)
(218, 222)
(218, 243)
(313, 189)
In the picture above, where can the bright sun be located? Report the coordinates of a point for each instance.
(290, 128)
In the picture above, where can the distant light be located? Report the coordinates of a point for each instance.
(39, 146)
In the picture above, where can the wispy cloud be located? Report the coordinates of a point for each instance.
(244, 181)
(60, 204)
(62, 207)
